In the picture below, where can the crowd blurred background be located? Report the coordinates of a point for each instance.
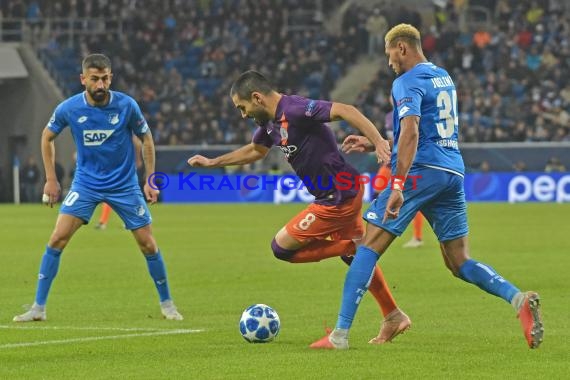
(178, 59)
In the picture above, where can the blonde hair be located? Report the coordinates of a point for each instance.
(404, 32)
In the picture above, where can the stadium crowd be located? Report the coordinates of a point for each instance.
(178, 58)
(510, 75)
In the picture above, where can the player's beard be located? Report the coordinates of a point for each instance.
(99, 95)
(261, 117)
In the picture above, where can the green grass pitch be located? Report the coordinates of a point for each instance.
(104, 321)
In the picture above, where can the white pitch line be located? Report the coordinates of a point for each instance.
(87, 328)
(96, 338)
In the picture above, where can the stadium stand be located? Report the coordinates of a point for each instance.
(509, 71)
(178, 58)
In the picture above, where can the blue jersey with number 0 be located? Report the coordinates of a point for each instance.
(428, 91)
(103, 137)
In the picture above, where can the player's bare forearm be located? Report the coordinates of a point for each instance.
(244, 155)
(407, 144)
(52, 189)
(356, 119)
(353, 143)
(48, 154)
(148, 154)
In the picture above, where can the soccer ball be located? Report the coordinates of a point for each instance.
(259, 323)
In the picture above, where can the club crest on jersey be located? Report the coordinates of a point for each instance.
(113, 118)
(284, 134)
(96, 137)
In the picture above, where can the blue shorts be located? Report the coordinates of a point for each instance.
(129, 204)
(439, 195)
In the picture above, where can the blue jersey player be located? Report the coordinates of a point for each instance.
(102, 123)
(425, 146)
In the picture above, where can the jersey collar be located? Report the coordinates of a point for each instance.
(87, 103)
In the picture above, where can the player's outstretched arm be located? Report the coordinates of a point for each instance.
(52, 188)
(244, 155)
(356, 119)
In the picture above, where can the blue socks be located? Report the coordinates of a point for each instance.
(487, 279)
(50, 265)
(157, 271)
(356, 284)
(48, 271)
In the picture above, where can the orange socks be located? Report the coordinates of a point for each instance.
(381, 292)
(323, 249)
(418, 223)
(105, 212)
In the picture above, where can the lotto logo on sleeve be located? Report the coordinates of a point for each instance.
(96, 136)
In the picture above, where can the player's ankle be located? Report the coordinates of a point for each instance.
(517, 300)
(339, 334)
(39, 308)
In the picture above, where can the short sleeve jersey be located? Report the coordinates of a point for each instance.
(428, 91)
(309, 145)
(103, 138)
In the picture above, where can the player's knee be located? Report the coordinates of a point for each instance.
(58, 240)
(454, 271)
(148, 248)
(282, 253)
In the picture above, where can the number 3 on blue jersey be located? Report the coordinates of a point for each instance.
(447, 105)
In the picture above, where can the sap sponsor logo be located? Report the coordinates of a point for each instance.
(543, 188)
(96, 136)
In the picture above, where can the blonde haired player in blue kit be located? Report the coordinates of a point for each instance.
(102, 123)
(425, 145)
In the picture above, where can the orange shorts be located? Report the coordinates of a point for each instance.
(320, 222)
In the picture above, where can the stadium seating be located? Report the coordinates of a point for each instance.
(178, 60)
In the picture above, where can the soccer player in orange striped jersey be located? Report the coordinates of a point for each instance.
(331, 225)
